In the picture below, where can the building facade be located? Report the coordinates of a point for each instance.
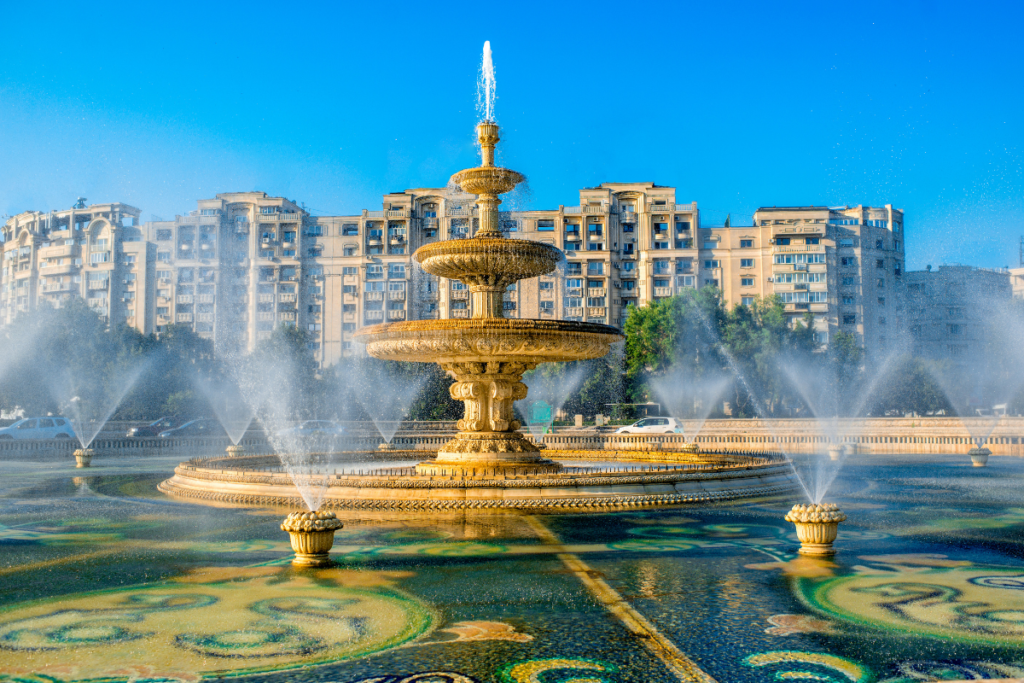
(949, 309)
(243, 263)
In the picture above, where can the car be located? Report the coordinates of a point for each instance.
(38, 428)
(313, 428)
(195, 428)
(653, 425)
(154, 428)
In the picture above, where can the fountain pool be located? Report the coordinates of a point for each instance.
(106, 579)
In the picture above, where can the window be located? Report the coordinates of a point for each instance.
(880, 283)
(373, 286)
(629, 285)
(267, 210)
(711, 263)
(573, 302)
(573, 268)
(747, 282)
(848, 261)
(396, 270)
(163, 235)
(684, 244)
(547, 306)
(846, 243)
(954, 329)
(396, 286)
(955, 312)
(848, 281)
(458, 285)
(746, 244)
(596, 301)
(682, 226)
(849, 319)
(546, 226)
(628, 268)
(163, 274)
(349, 229)
(881, 301)
(710, 282)
(662, 283)
(661, 227)
(812, 240)
(628, 227)
(571, 246)
(746, 263)
(661, 245)
(459, 305)
(710, 245)
(662, 267)
(879, 263)
(595, 229)
(349, 270)
(782, 241)
(545, 285)
(684, 280)
(595, 268)
(595, 283)
(595, 246)
(849, 300)
(374, 271)
(289, 236)
(747, 301)
(288, 253)
(627, 249)
(878, 244)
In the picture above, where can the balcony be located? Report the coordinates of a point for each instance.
(373, 242)
(287, 298)
(574, 312)
(287, 315)
(350, 298)
(460, 313)
(662, 291)
(348, 317)
(183, 318)
(205, 298)
(598, 312)
(461, 212)
(396, 213)
(596, 291)
(374, 296)
(396, 296)
(265, 316)
(596, 236)
(98, 284)
(396, 315)
(265, 298)
(800, 285)
(660, 236)
(627, 217)
(350, 279)
(397, 241)
(373, 316)
(460, 294)
(203, 317)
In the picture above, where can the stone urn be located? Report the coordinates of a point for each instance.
(836, 452)
(83, 457)
(235, 451)
(816, 527)
(312, 535)
(979, 456)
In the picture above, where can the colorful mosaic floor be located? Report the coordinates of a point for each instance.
(102, 578)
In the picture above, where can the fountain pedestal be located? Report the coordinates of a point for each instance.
(312, 535)
(83, 457)
(816, 527)
(979, 456)
(836, 452)
(235, 451)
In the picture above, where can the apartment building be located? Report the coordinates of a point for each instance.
(843, 265)
(949, 309)
(94, 252)
(243, 263)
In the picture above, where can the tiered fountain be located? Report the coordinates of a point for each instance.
(489, 463)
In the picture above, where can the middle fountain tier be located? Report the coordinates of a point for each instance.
(487, 354)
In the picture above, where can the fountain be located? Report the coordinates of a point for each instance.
(312, 535)
(816, 526)
(489, 463)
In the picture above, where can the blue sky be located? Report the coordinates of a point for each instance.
(738, 105)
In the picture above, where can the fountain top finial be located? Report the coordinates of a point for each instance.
(487, 134)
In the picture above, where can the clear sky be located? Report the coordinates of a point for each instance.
(738, 105)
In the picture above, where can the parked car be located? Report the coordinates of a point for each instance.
(313, 428)
(653, 425)
(38, 428)
(154, 428)
(195, 428)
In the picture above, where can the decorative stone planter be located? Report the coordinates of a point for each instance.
(235, 451)
(816, 527)
(312, 535)
(83, 457)
(979, 456)
(836, 452)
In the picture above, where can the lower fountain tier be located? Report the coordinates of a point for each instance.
(693, 479)
(488, 340)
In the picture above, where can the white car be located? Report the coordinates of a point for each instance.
(38, 428)
(653, 425)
